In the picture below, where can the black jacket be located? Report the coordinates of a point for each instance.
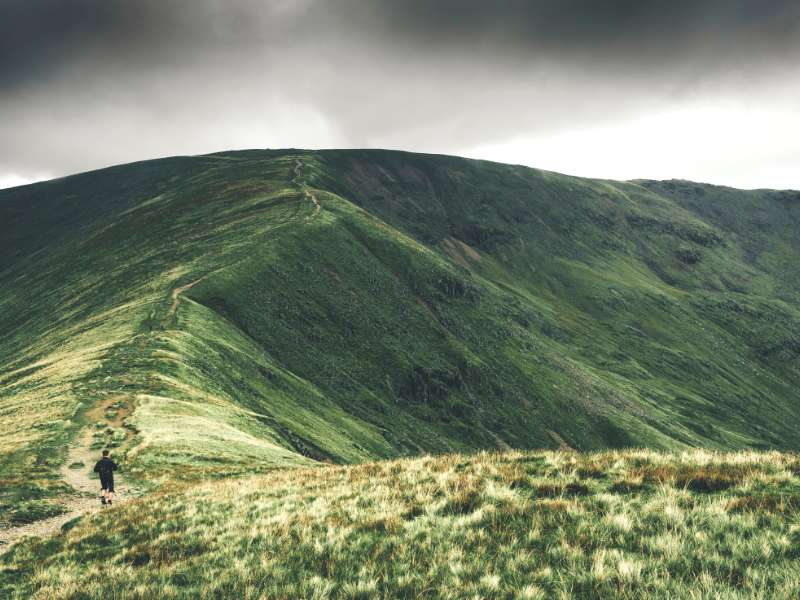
(106, 467)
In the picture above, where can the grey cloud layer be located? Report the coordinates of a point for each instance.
(85, 83)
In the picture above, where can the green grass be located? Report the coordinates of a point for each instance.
(433, 304)
(30, 511)
(624, 524)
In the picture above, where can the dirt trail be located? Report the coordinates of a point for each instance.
(75, 507)
(301, 183)
(176, 294)
(87, 490)
(82, 457)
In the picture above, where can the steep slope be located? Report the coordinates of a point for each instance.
(260, 309)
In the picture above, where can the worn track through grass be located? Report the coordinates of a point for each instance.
(85, 499)
(176, 294)
(298, 174)
(75, 507)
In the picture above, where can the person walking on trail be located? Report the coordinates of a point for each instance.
(105, 467)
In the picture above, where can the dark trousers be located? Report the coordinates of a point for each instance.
(107, 483)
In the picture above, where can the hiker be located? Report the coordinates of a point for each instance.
(105, 467)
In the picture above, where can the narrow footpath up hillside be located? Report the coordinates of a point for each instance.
(303, 184)
(176, 295)
(106, 428)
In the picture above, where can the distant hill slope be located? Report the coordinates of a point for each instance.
(267, 308)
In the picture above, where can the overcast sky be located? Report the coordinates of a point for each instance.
(692, 89)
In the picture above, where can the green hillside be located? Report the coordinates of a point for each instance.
(260, 309)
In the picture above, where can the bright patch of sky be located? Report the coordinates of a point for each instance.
(9, 180)
(724, 143)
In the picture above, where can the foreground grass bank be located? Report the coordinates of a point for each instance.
(633, 524)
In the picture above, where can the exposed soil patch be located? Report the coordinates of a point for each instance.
(463, 254)
(176, 293)
(75, 507)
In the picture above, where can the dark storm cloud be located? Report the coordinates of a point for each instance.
(657, 30)
(122, 80)
(38, 37)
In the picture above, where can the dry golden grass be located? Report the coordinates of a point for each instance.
(491, 525)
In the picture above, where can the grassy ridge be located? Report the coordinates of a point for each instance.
(626, 524)
(431, 304)
(90, 294)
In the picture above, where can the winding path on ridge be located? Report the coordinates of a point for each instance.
(176, 296)
(85, 499)
(301, 183)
